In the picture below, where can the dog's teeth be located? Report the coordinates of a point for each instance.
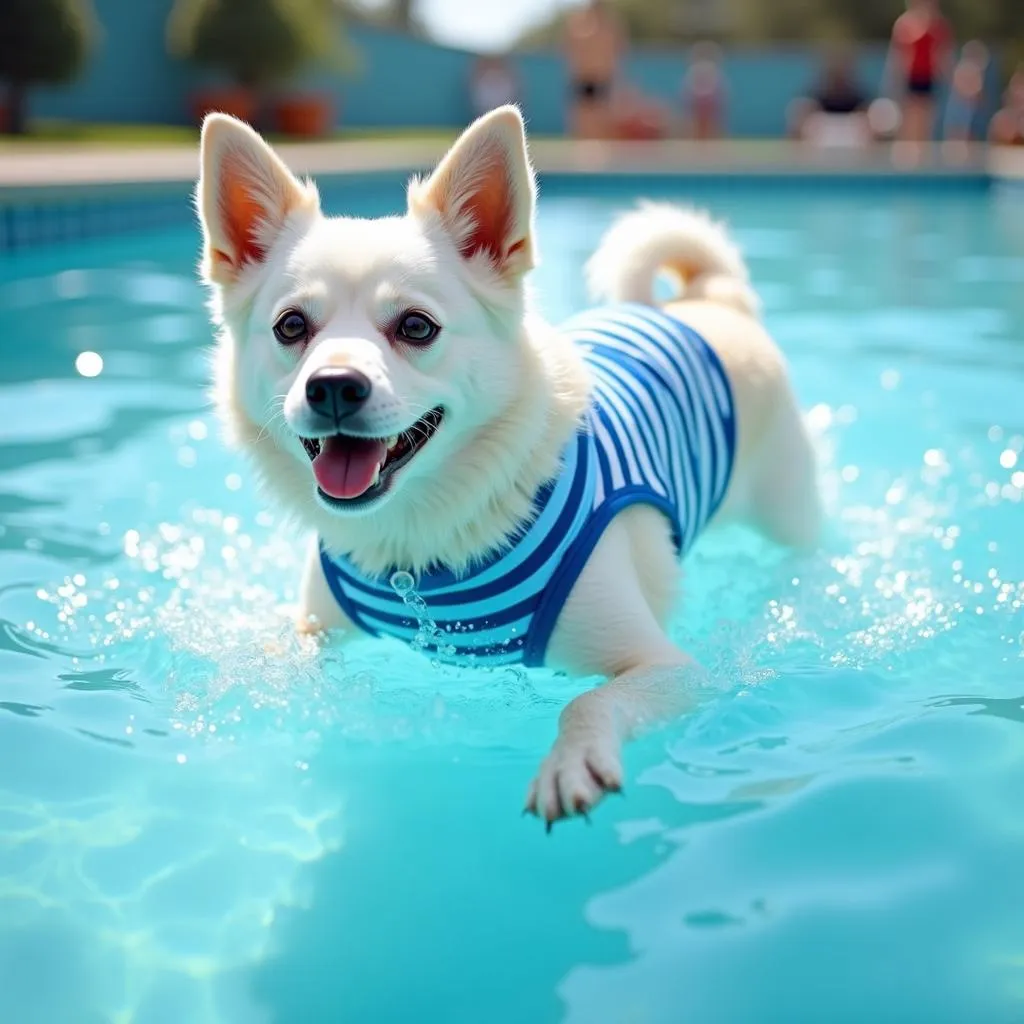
(392, 440)
(376, 476)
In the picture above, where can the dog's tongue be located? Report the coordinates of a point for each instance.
(346, 466)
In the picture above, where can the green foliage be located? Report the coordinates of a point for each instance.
(259, 42)
(44, 41)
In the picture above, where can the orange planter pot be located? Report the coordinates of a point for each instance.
(308, 116)
(240, 103)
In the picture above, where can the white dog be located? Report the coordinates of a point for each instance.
(536, 486)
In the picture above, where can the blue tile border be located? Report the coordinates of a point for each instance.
(57, 215)
(768, 181)
(54, 216)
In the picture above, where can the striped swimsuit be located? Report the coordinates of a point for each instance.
(660, 431)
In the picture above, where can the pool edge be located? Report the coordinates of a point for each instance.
(52, 197)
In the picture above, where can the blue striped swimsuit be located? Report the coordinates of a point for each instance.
(660, 430)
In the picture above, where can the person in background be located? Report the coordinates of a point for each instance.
(637, 116)
(1007, 126)
(966, 93)
(836, 111)
(595, 43)
(919, 57)
(492, 84)
(704, 93)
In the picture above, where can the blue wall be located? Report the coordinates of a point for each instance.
(408, 82)
(130, 77)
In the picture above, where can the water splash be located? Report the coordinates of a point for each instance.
(178, 840)
(429, 634)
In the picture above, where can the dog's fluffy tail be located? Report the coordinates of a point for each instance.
(659, 238)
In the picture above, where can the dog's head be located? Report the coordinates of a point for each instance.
(367, 361)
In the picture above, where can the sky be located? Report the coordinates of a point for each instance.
(482, 25)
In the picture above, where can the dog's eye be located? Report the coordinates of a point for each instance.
(417, 329)
(291, 327)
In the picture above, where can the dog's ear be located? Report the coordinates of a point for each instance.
(484, 192)
(245, 195)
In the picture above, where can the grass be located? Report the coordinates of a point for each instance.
(50, 132)
(69, 133)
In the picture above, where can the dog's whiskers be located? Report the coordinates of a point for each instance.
(277, 400)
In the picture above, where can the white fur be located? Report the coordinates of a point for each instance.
(513, 391)
(659, 238)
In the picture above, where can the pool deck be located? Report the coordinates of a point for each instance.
(47, 166)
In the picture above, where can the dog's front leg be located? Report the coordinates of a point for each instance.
(585, 761)
(317, 609)
(608, 627)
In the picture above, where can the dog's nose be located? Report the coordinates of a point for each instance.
(337, 392)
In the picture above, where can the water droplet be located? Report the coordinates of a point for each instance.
(402, 582)
(89, 364)
(819, 418)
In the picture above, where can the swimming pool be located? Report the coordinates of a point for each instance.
(204, 820)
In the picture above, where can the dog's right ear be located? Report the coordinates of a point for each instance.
(246, 194)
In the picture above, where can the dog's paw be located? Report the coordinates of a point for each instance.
(574, 777)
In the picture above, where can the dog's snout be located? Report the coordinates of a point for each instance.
(337, 392)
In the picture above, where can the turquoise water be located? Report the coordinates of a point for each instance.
(204, 820)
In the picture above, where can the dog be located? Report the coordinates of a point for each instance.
(476, 482)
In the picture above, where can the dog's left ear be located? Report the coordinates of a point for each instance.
(484, 192)
(246, 193)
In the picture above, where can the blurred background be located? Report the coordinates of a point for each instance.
(836, 73)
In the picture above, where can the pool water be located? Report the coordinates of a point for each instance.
(204, 820)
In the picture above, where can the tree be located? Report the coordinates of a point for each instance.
(402, 14)
(256, 42)
(41, 42)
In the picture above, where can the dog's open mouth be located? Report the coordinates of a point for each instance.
(353, 470)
